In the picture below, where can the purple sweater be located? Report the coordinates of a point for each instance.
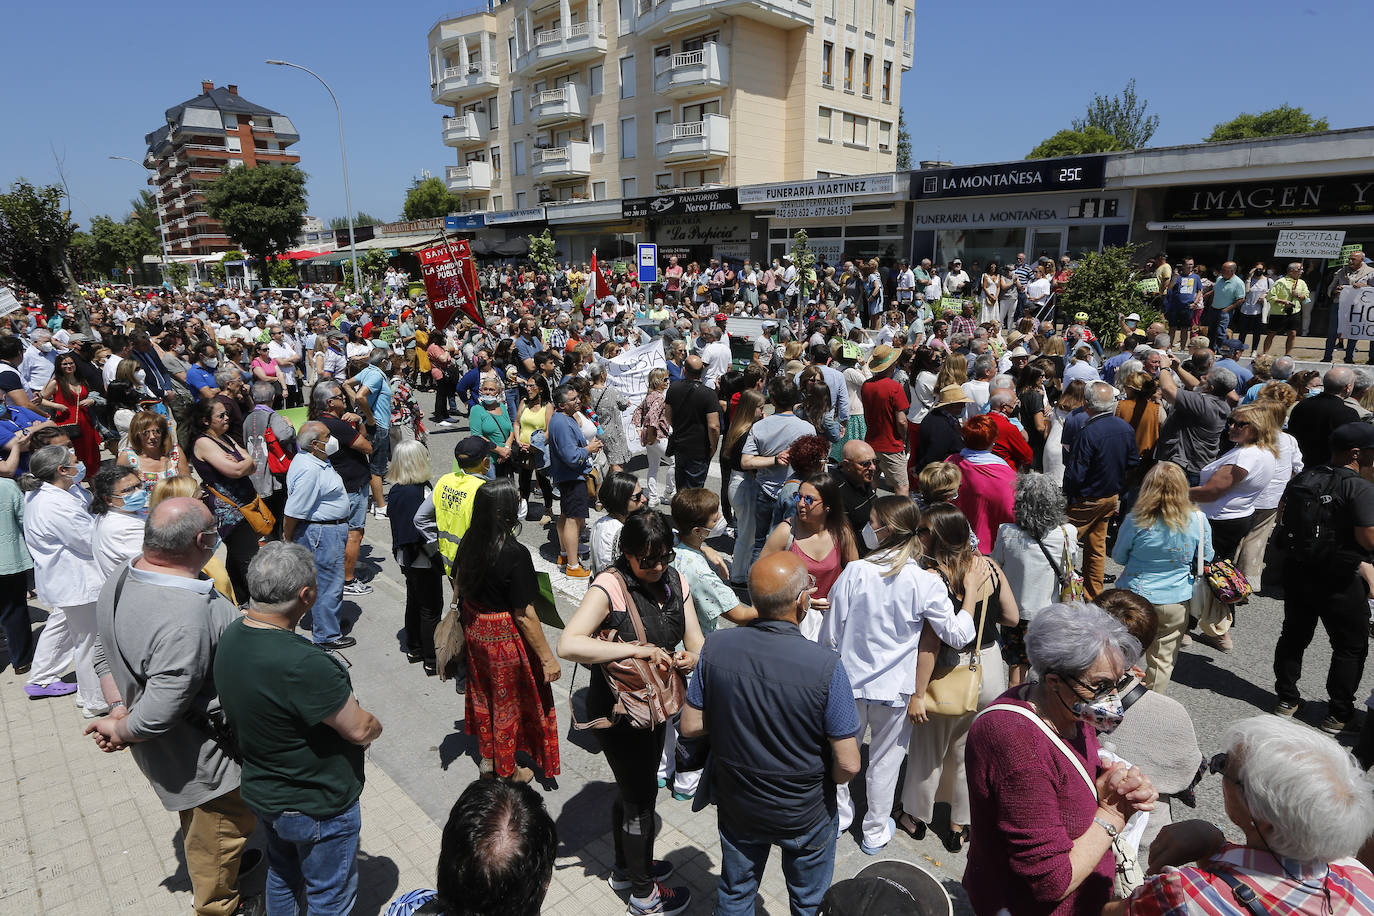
(1028, 805)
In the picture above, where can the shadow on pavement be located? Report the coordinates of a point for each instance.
(378, 878)
(456, 744)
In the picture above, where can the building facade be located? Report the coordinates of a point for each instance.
(217, 129)
(554, 102)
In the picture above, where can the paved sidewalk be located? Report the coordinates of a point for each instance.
(81, 832)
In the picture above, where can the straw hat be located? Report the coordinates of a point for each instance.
(953, 394)
(883, 357)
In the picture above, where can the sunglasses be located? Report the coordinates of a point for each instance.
(1101, 691)
(663, 559)
(1217, 767)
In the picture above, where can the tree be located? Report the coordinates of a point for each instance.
(281, 272)
(804, 259)
(1104, 285)
(541, 251)
(121, 245)
(177, 273)
(903, 143)
(1272, 123)
(1121, 116)
(429, 198)
(35, 230)
(262, 208)
(1075, 143)
(81, 255)
(362, 219)
(371, 264)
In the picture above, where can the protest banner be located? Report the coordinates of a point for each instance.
(450, 282)
(1355, 313)
(1309, 243)
(629, 372)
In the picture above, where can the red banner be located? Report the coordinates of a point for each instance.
(600, 288)
(450, 282)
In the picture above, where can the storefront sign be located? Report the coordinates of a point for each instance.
(1355, 313)
(528, 215)
(698, 230)
(1076, 173)
(812, 211)
(1023, 210)
(862, 186)
(1332, 195)
(456, 222)
(1309, 243)
(714, 200)
(411, 227)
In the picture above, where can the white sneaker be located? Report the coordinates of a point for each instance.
(523, 510)
(379, 511)
(88, 712)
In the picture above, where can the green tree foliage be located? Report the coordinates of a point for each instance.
(121, 245)
(804, 259)
(177, 273)
(1123, 116)
(1075, 143)
(362, 219)
(429, 198)
(35, 231)
(262, 208)
(541, 252)
(1272, 123)
(903, 142)
(1104, 285)
(281, 273)
(372, 265)
(81, 256)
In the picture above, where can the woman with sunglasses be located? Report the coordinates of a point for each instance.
(819, 534)
(265, 369)
(641, 573)
(70, 403)
(1045, 808)
(620, 495)
(879, 606)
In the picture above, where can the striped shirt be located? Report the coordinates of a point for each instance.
(1198, 891)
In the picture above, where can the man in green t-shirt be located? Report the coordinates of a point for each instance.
(301, 733)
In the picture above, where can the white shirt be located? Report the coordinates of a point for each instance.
(1286, 468)
(117, 539)
(35, 369)
(280, 351)
(605, 542)
(716, 356)
(955, 281)
(978, 391)
(108, 371)
(1038, 291)
(1239, 500)
(1029, 575)
(906, 279)
(1254, 296)
(875, 624)
(57, 530)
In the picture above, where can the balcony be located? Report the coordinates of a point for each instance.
(558, 106)
(571, 44)
(708, 138)
(691, 72)
(475, 176)
(664, 16)
(465, 129)
(457, 84)
(560, 163)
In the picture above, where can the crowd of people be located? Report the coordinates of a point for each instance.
(804, 511)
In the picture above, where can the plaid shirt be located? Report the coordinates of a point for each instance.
(961, 324)
(1197, 891)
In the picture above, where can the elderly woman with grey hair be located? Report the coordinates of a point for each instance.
(1038, 552)
(1304, 808)
(1046, 808)
(606, 403)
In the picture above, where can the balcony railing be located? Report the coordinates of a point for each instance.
(568, 32)
(455, 82)
(691, 71)
(786, 14)
(708, 138)
(570, 43)
(561, 162)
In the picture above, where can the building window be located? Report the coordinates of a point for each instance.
(493, 115)
(695, 178)
(496, 161)
(827, 64)
(517, 154)
(868, 76)
(855, 130)
(884, 135)
(517, 107)
(891, 24)
(906, 33)
(830, 9)
(231, 122)
(887, 81)
(233, 144)
(510, 52)
(663, 181)
(852, 13)
(627, 77)
(628, 148)
(497, 201)
(848, 69)
(594, 76)
(598, 139)
(823, 124)
(699, 111)
(872, 13)
(629, 187)
(598, 190)
(521, 198)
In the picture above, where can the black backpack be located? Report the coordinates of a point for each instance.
(1312, 512)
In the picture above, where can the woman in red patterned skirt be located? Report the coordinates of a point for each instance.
(510, 665)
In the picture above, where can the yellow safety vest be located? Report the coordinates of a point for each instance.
(453, 497)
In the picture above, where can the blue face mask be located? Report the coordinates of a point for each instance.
(1313, 392)
(136, 503)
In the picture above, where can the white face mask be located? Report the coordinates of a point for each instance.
(139, 376)
(718, 528)
(45, 346)
(870, 536)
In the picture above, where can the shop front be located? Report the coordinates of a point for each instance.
(694, 225)
(858, 216)
(993, 212)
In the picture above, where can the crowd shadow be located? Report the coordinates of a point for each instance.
(456, 745)
(36, 615)
(1200, 671)
(378, 880)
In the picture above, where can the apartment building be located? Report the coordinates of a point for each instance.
(561, 100)
(216, 129)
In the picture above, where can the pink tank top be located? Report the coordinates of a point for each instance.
(824, 571)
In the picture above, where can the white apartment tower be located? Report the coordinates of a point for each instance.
(559, 100)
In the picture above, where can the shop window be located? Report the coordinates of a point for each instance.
(827, 64)
(1083, 238)
(848, 69)
(979, 244)
(823, 124)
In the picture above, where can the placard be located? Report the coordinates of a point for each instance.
(8, 302)
(1355, 313)
(629, 372)
(450, 282)
(1149, 287)
(1346, 251)
(1309, 243)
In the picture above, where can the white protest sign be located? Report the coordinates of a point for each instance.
(629, 372)
(1356, 313)
(1309, 243)
(8, 303)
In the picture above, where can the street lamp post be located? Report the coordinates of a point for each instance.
(343, 155)
(157, 207)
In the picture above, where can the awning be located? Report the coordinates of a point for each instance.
(327, 260)
(300, 254)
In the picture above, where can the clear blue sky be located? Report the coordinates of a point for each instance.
(991, 79)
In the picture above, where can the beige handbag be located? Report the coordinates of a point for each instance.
(954, 691)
